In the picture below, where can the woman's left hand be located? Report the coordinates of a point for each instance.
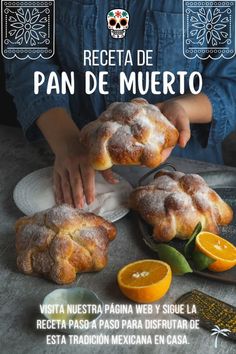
(177, 115)
(183, 110)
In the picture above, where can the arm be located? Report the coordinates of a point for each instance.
(215, 107)
(73, 177)
(63, 137)
(191, 103)
(48, 116)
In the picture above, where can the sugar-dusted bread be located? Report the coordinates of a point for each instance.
(128, 133)
(61, 242)
(174, 202)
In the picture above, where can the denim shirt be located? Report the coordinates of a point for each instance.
(154, 25)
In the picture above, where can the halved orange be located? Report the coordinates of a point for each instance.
(145, 281)
(217, 248)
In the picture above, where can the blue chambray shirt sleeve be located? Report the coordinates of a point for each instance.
(20, 84)
(219, 84)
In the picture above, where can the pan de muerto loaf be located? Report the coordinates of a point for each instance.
(61, 242)
(174, 202)
(128, 133)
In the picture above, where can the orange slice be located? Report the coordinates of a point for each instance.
(145, 281)
(217, 248)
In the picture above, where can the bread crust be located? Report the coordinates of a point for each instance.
(128, 133)
(61, 242)
(174, 202)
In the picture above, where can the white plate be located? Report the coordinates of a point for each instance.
(34, 193)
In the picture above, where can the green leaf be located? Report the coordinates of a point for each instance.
(190, 245)
(170, 255)
(201, 261)
(111, 14)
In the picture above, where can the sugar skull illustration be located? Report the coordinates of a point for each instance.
(118, 22)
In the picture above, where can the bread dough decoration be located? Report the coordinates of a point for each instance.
(61, 242)
(128, 133)
(174, 202)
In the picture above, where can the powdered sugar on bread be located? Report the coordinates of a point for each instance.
(128, 133)
(69, 241)
(174, 203)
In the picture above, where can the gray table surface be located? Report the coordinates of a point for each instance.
(20, 294)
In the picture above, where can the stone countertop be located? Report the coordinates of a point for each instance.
(20, 295)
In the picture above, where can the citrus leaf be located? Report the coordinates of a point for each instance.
(201, 261)
(190, 245)
(170, 255)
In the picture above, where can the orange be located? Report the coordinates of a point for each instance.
(145, 281)
(217, 248)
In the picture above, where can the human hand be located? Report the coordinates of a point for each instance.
(183, 110)
(174, 111)
(73, 176)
